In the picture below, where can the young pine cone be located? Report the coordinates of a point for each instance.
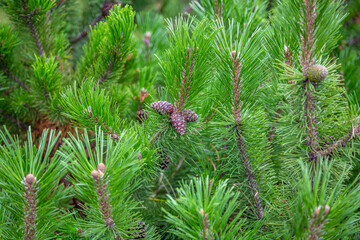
(162, 107)
(164, 160)
(189, 116)
(141, 115)
(178, 122)
(317, 73)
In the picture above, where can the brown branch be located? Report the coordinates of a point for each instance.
(351, 134)
(237, 85)
(30, 206)
(103, 197)
(307, 37)
(104, 76)
(306, 60)
(13, 120)
(288, 61)
(218, 8)
(15, 79)
(30, 22)
(249, 173)
(205, 232)
(309, 105)
(109, 130)
(186, 79)
(315, 226)
(85, 32)
(107, 6)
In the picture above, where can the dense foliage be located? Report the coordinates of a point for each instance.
(229, 119)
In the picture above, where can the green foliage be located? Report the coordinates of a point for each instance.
(266, 154)
(324, 207)
(16, 162)
(195, 213)
(108, 47)
(122, 175)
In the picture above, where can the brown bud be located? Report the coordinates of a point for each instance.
(202, 212)
(30, 179)
(114, 136)
(101, 167)
(143, 94)
(317, 212)
(95, 174)
(327, 209)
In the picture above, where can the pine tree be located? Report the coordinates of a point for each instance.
(227, 119)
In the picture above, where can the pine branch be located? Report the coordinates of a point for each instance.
(186, 79)
(218, 9)
(85, 32)
(309, 115)
(338, 143)
(15, 79)
(249, 172)
(237, 85)
(288, 61)
(108, 71)
(314, 227)
(306, 60)
(30, 22)
(109, 130)
(107, 6)
(103, 197)
(237, 104)
(30, 208)
(13, 120)
(307, 37)
(205, 232)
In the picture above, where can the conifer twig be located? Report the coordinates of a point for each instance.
(249, 172)
(85, 32)
(30, 207)
(30, 22)
(108, 71)
(13, 120)
(307, 37)
(351, 134)
(237, 84)
(104, 13)
(306, 60)
(15, 79)
(315, 227)
(186, 79)
(109, 130)
(103, 197)
(218, 9)
(312, 141)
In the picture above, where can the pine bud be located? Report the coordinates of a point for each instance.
(178, 122)
(234, 55)
(189, 115)
(95, 174)
(101, 167)
(30, 179)
(162, 107)
(317, 73)
(141, 115)
(327, 209)
(114, 136)
(317, 212)
(164, 160)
